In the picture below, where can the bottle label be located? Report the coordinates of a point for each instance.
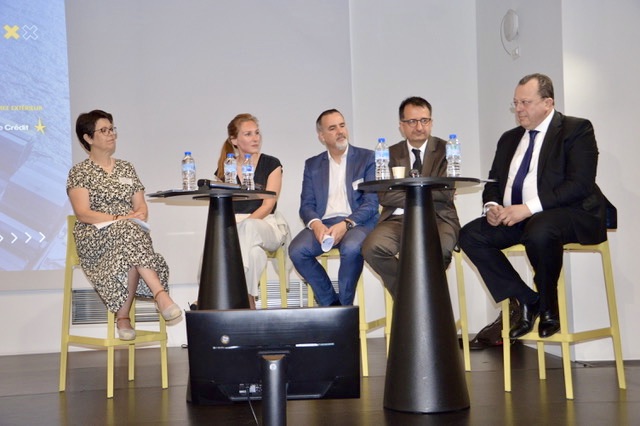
(453, 150)
(382, 154)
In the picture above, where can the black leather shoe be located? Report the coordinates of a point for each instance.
(491, 334)
(549, 324)
(525, 325)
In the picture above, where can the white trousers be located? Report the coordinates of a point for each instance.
(256, 236)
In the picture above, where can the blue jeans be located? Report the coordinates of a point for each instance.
(304, 250)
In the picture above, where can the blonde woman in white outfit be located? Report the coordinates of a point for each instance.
(258, 227)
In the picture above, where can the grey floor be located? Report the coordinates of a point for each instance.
(29, 394)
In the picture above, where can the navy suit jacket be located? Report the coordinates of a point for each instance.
(566, 173)
(315, 187)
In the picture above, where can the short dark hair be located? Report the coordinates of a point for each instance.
(415, 101)
(323, 114)
(86, 125)
(545, 85)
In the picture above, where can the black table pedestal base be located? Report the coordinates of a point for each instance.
(424, 368)
(222, 280)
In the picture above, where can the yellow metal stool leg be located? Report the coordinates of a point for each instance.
(607, 267)
(388, 303)
(280, 256)
(364, 353)
(506, 345)
(463, 323)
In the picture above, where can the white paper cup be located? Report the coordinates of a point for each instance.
(399, 172)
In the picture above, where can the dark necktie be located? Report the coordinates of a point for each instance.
(417, 164)
(518, 181)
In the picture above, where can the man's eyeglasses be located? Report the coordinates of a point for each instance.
(414, 122)
(525, 103)
(106, 130)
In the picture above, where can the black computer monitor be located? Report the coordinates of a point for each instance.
(321, 347)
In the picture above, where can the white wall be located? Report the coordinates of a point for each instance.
(174, 77)
(600, 82)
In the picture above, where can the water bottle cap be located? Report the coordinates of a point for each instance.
(187, 153)
(247, 156)
(230, 155)
(381, 140)
(453, 136)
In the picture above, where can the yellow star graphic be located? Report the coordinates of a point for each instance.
(40, 127)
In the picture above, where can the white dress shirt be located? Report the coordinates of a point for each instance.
(337, 201)
(530, 185)
(412, 160)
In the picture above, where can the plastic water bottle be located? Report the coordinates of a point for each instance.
(382, 160)
(189, 172)
(230, 169)
(247, 173)
(453, 156)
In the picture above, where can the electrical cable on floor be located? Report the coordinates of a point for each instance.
(252, 410)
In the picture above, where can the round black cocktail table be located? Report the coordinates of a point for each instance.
(222, 281)
(425, 373)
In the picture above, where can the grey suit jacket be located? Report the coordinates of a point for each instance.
(434, 163)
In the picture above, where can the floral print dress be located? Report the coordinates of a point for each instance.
(107, 254)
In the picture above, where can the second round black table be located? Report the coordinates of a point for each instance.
(425, 373)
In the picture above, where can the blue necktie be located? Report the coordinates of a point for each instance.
(516, 188)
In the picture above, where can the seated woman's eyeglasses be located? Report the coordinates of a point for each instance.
(106, 130)
(414, 122)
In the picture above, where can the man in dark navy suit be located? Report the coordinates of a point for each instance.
(331, 206)
(543, 195)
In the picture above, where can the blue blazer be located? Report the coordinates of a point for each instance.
(315, 187)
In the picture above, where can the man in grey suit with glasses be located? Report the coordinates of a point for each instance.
(425, 153)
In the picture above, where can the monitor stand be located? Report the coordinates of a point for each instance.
(274, 392)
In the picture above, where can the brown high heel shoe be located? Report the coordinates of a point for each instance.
(172, 312)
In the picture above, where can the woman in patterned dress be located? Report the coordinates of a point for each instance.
(258, 227)
(118, 258)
